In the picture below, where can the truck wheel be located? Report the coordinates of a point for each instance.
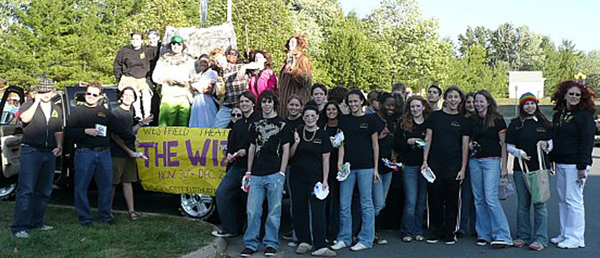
(6, 191)
(199, 206)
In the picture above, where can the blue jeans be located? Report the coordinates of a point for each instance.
(34, 188)
(223, 117)
(467, 206)
(96, 164)
(491, 223)
(271, 187)
(229, 196)
(380, 191)
(415, 194)
(523, 217)
(364, 178)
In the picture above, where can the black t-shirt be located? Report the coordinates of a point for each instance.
(269, 135)
(333, 158)
(294, 124)
(446, 142)
(125, 123)
(387, 143)
(39, 132)
(410, 155)
(525, 135)
(573, 138)
(84, 117)
(238, 137)
(358, 148)
(487, 137)
(308, 159)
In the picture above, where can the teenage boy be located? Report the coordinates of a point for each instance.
(433, 97)
(268, 156)
(318, 93)
(41, 144)
(89, 126)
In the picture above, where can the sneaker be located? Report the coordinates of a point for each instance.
(358, 247)
(380, 240)
(303, 248)
(432, 239)
(407, 239)
(222, 234)
(247, 252)
(557, 239)
(324, 252)
(460, 234)
(500, 244)
(289, 236)
(270, 251)
(133, 215)
(292, 244)
(536, 246)
(481, 242)
(420, 238)
(22, 234)
(450, 240)
(518, 243)
(338, 245)
(569, 245)
(45, 227)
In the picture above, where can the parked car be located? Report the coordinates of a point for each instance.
(10, 139)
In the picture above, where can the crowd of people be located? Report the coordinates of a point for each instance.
(330, 149)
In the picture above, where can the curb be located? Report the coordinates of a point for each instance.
(214, 249)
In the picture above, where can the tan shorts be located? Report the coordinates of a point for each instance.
(124, 170)
(138, 84)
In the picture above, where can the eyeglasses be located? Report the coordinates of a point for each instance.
(95, 95)
(575, 94)
(236, 115)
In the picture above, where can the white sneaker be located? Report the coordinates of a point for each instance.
(569, 245)
(557, 239)
(303, 248)
(292, 244)
(46, 227)
(358, 247)
(339, 245)
(325, 252)
(22, 234)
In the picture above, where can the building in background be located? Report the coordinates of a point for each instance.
(520, 82)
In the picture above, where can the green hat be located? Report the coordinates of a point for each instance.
(176, 39)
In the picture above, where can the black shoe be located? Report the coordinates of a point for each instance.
(460, 234)
(270, 251)
(481, 242)
(222, 234)
(432, 239)
(289, 236)
(247, 252)
(450, 240)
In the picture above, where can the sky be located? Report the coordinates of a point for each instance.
(576, 20)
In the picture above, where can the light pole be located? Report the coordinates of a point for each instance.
(516, 100)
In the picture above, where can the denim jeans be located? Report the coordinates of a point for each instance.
(230, 200)
(364, 179)
(223, 117)
(96, 164)
(467, 206)
(571, 208)
(491, 223)
(415, 202)
(540, 218)
(34, 188)
(380, 191)
(261, 187)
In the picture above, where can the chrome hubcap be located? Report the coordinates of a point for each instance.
(7, 190)
(196, 205)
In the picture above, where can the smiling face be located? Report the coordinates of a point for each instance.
(355, 103)
(92, 96)
(310, 118)
(236, 114)
(246, 104)
(573, 97)
(470, 104)
(294, 107)
(203, 64)
(416, 108)
(529, 107)
(389, 106)
(481, 103)
(452, 100)
(267, 106)
(332, 112)
(128, 97)
(153, 40)
(176, 47)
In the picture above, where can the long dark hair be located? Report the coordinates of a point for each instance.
(492, 113)
(461, 94)
(323, 119)
(465, 112)
(538, 114)
(407, 122)
(586, 102)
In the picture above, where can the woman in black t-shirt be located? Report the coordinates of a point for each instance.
(487, 165)
(409, 131)
(310, 152)
(524, 134)
(361, 150)
(447, 139)
(329, 121)
(573, 142)
(294, 107)
(467, 204)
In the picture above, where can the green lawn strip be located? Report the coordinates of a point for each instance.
(150, 236)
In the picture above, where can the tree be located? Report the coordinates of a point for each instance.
(471, 72)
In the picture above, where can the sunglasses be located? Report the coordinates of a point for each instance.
(95, 95)
(176, 44)
(236, 115)
(574, 94)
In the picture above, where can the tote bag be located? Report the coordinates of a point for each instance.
(537, 182)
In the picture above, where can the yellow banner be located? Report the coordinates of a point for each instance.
(181, 159)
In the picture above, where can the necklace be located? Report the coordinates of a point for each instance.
(304, 135)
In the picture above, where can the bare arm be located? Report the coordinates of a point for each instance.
(375, 144)
(465, 156)
(285, 157)
(59, 141)
(122, 144)
(27, 115)
(325, 167)
(504, 160)
(340, 155)
(428, 135)
(251, 151)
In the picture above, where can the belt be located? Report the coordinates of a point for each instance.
(96, 149)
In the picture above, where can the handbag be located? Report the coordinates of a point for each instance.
(537, 182)
(506, 188)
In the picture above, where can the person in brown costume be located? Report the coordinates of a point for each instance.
(295, 75)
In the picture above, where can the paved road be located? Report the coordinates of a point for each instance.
(466, 247)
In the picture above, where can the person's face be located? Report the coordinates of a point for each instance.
(293, 44)
(153, 40)
(46, 96)
(375, 104)
(318, 96)
(267, 106)
(332, 112)
(573, 96)
(416, 108)
(470, 105)
(433, 95)
(294, 107)
(136, 41)
(481, 103)
(529, 107)
(176, 47)
(203, 65)
(259, 58)
(310, 118)
(128, 97)
(232, 57)
(389, 106)
(453, 100)
(236, 114)
(246, 104)
(92, 95)
(355, 103)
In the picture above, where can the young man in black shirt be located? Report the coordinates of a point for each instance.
(88, 126)
(268, 155)
(42, 143)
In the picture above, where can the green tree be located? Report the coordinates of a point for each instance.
(471, 72)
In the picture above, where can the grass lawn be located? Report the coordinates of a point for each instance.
(150, 236)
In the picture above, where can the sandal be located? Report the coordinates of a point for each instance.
(133, 215)
(536, 246)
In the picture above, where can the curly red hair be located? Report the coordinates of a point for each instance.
(586, 102)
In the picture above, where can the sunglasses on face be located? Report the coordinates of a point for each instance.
(575, 94)
(176, 44)
(95, 95)
(236, 115)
